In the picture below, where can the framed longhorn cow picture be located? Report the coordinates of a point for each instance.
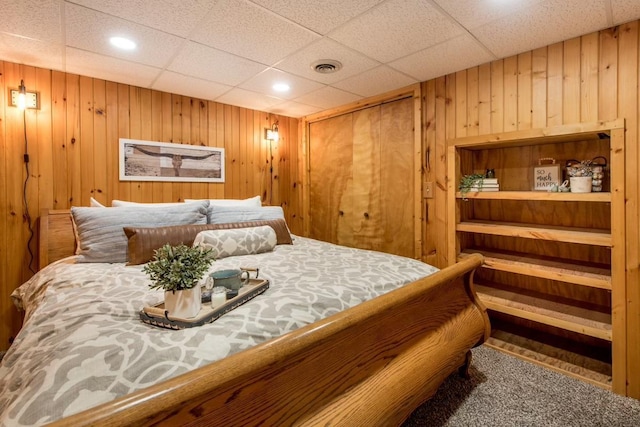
(163, 161)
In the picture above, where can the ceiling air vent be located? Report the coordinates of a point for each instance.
(326, 66)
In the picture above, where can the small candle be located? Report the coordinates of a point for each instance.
(218, 296)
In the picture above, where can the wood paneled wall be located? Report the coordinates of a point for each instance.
(586, 79)
(73, 155)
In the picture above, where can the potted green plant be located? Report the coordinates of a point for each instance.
(470, 181)
(177, 270)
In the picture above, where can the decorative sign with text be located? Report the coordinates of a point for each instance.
(546, 176)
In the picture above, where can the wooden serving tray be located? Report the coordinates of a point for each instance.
(157, 316)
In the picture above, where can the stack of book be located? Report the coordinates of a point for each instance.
(486, 184)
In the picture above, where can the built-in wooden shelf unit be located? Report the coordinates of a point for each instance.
(554, 275)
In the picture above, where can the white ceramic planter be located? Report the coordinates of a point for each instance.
(185, 304)
(580, 184)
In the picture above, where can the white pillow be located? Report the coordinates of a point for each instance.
(237, 241)
(227, 214)
(252, 201)
(121, 203)
(100, 234)
(95, 204)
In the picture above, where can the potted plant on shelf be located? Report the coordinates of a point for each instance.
(467, 182)
(177, 270)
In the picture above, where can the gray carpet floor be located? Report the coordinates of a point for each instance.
(506, 391)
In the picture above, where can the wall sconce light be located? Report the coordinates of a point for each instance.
(22, 99)
(272, 134)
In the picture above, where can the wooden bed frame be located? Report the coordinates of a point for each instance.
(373, 364)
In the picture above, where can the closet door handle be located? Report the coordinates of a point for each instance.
(366, 215)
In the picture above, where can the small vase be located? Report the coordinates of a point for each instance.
(185, 303)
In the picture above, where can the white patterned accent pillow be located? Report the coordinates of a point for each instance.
(237, 241)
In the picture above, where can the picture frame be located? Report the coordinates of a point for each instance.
(163, 161)
(545, 176)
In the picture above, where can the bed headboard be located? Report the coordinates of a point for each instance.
(56, 238)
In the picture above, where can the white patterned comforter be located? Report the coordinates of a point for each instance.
(83, 343)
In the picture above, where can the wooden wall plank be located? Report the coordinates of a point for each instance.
(571, 82)
(199, 131)
(608, 74)
(124, 118)
(13, 212)
(87, 159)
(167, 136)
(497, 96)
(146, 134)
(525, 85)
(74, 160)
(539, 88)
(460, 100)
(59, 140)
(628, 85)
(484, 98)
(473, 101)
(157, 129)
(589, 78)
(44, 154)
(112, 148)
(6, 309)
(429, 249)
(100, 139)
(439, 232)
(510, 82)
(555, 55)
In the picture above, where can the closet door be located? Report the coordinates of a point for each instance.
(362, 178)
(330, 180)
(397, 173)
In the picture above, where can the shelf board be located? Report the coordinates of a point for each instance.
(549, 135)
(552, 313)
(568, 363)
(532, 231)
(553, 269)
(599, 197)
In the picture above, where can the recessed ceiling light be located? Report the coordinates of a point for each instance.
(281, 87)
(122, 43)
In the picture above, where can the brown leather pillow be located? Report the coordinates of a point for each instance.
(142, 241)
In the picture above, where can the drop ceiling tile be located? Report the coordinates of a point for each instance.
(328, 97)
(248, 99)
(107, 68)
(90, 30)
(300, 63)
(453, 55)
(214, 65)
(294, 109)
(33, 52)
(320, 16)
(41, 20)
(397, 28)
(189, 86)
(625, 11)
(252, 32)
(165, 15)
(542, 24)
(264, 81)
(475, 13)
(374, 82)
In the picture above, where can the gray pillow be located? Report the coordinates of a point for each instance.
(100, 234)
(227, 214)
(238, 241)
